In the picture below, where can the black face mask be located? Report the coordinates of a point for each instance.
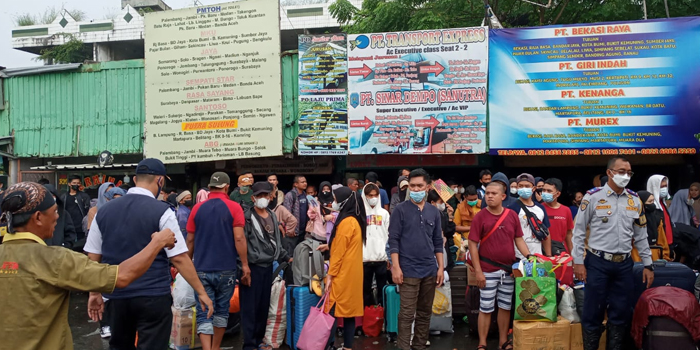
(75, 187)
(649, 208)
(188, 203)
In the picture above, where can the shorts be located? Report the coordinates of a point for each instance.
(499, 285)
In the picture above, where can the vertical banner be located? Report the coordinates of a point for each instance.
(323, 88)
(419, 92)
(596, 89)
(213, 82)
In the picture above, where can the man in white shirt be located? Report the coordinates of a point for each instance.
(526, 185)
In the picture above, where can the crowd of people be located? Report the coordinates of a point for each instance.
(370, 233)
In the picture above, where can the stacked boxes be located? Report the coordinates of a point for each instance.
(184, 331)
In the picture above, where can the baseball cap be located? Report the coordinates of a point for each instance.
(219, 179)
(244, 180)
(526, 177)
(261, 187)
(151, 166)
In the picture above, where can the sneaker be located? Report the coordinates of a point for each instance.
(105, 332)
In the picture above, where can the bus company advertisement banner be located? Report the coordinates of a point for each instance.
(323, 88)
(596, 89)
(418, 92)
(213, 86)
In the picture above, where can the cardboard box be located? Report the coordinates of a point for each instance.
(184, 331)
(577, 338)
(528, 335)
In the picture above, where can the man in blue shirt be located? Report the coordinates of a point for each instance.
(372, 177)
(415, 245)
(295, 201)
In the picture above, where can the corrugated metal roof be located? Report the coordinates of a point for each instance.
(77, 113)
(83, 166)
(16, 72)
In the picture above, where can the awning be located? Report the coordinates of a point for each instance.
(83, 166)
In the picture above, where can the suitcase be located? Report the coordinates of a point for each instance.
(472, 305)
(300, 300)
(665, 333)
(665, 274)
(458, 283)
(392, 304)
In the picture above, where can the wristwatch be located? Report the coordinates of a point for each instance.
(650, 267)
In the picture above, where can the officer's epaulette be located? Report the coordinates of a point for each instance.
(594, 190)
(632, 193)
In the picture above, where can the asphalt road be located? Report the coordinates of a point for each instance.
(86, 334)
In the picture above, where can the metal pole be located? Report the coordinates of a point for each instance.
(666, 5)
(644, 3)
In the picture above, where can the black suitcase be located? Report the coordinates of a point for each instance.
(664, 333)
(458, 284)
(665, 274)
(472, 306)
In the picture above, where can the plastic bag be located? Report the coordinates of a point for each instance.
(442, 301)
(183, 294)
(567, 306)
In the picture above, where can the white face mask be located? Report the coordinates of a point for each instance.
(262, 203)
(461, 190)
(441, 206)
(513, 190)
(373, 202)
(335, 206)
(621, 180)
(663, 192)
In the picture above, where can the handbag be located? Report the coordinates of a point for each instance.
(317, 328)
(538, 229)
(471, 273)
(562, 268)
(536, 298)
(373, 320)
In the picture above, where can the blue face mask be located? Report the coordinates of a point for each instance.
(547, 197)
(525, 193)
(417, 196)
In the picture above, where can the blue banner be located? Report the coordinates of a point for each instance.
(596, 89)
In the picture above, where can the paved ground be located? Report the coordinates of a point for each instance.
(86, 334)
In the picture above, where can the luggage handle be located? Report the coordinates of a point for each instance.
(661, 262)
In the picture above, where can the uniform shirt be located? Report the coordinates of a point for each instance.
(416, 236)
(35, 285)
(614, 220)
(533, 244)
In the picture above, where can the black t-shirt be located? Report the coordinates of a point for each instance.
(76, 212)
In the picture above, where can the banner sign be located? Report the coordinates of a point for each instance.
(596, 89)
(305, 165)
(323, 87)
(213, 82)
(418, 92)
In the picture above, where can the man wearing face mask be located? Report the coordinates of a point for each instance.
(417, 268)
(216, 241)
(616, 217)
(562, 223)
(524, 204)
(657, 186)
(401, 195)
(144, 306)
(262, 232)
(539, 184)
(77, 204)
(241, 194)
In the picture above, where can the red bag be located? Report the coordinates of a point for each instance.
(561, 266)
(373, 321)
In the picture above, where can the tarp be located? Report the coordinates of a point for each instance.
(671, 302)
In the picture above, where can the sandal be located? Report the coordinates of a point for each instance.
(508, 345)
(264, 346)
(482, 347)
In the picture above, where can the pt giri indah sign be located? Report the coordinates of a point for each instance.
(213, 89)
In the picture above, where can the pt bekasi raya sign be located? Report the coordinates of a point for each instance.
(213, 88)
(598, 89)
(419, 92)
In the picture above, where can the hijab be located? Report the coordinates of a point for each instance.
(350, 207)
(681, 212)
(653, 215)
(654, 187)
(326, 199)
(202, 195)
(113, 192)
(101, 200)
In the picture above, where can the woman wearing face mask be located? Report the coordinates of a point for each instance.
(682, 211)
(657, 185)
(655, 229)
(513, 187)
(325, 198)
(466, 210)
(101, 200)
(184, 207)
(346, 247)
(374, 255)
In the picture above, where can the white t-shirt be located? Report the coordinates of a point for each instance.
(533, 244)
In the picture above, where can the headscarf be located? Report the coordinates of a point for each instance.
(24, 198)
(350, 207)
(681, 212)
(202, 195)
(101, 194)
(113, 192)
(172, 199)
(653, 218)
(325, 199)
(654, 187)
(182, 195)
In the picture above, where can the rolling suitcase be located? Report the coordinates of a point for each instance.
(392, 304)
(300, 300)
(458, 283)
(665, 274)
(665, 333)
(472, 306)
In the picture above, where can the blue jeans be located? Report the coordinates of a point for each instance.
(219, 286)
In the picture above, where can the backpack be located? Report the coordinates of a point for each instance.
(300, 265)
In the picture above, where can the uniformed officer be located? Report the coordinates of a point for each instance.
(616, 219)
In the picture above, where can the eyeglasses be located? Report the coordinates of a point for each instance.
(623, 172)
